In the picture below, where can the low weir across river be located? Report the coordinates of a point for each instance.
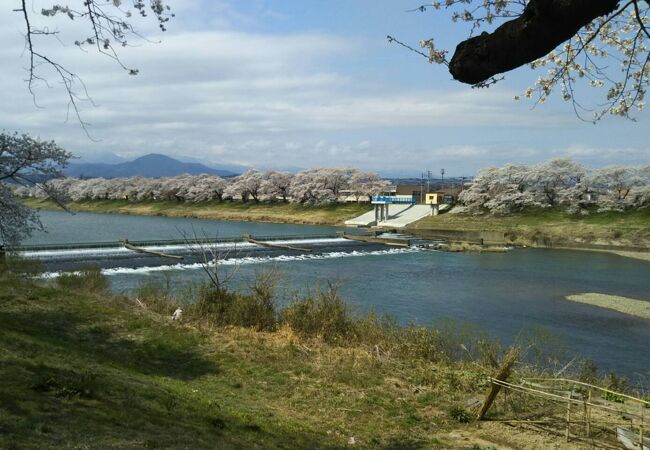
(161, 253)
(158, 242)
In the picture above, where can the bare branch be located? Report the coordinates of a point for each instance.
(107, 31)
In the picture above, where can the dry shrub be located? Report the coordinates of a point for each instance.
(324, 315)
(221, 307)
(13, 265)
(89, 279)
(157, 297)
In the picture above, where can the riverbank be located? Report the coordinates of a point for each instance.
(83, 368)
(626, 234)
(252, 212)
(643, 256)
(623, 232)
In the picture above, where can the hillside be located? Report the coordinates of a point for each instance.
(84, 369)
(152, 165)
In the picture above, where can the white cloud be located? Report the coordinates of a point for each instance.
(601, 156)
(212, 91)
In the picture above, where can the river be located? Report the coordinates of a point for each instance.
(503, 294)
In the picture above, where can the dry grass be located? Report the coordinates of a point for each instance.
(251, 211)
(129, 377)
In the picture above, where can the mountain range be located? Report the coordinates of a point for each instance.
(151, 166)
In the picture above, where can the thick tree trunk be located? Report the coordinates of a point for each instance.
(543, 26)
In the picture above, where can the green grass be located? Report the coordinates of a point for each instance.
(250, 211)
(628, 228)
(84, 369)
(632, 220)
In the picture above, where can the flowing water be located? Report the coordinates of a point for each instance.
(503, 294)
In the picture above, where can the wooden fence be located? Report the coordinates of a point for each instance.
(594, 415)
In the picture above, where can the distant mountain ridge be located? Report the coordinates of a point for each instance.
(151, 166)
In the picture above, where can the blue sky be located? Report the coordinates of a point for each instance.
(296, 84)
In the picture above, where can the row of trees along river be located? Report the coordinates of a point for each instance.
(562, 183)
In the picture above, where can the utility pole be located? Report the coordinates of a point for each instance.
(442, 172)
(421, 185)
(428, 181)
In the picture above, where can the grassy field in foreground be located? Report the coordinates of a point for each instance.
(250, 211)
(81, 368)
(530, 228)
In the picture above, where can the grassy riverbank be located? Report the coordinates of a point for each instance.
(250, 211)
(82, 368)
(630, 229)
(540, 228)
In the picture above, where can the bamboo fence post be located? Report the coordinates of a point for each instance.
(568, 416)
(584, 406)
(502, 375)
(641, 428)
(588, 413)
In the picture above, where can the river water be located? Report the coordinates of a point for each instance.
(504, 294)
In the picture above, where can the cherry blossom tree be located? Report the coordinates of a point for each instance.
(305, 188)
(26, 162)
(205, 188)
(552, 177)
(317, 186)
(335, 180)
(618, 180)
(595, 43)
(367, 184)
(277, 184)
(639, 196)
(559, 183)
(499, 189)
(313, 186)
(245, 186)
(236, 191)
(251, 181)
(622, 187)
(320, 186)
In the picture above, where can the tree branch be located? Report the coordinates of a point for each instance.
(106, 32)
(543, 25)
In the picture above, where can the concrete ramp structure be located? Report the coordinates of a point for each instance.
(408, 216)
(393, 211)
(369, 219)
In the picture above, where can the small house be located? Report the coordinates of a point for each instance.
(434, 198)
